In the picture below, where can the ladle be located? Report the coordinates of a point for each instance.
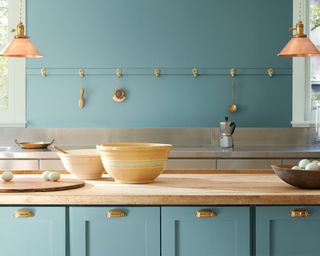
(59, 149)
(233, 107)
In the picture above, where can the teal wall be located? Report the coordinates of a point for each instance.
(175, 35)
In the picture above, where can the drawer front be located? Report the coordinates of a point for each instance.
(97, 231)
(191, 164)
(36, 231)
(246, 163)
(279, 234)
(51, 165)
(19, 164)
(185, 233)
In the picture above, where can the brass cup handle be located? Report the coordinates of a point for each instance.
(298, 213)
(205, 214)
(23, 213)
(116, 213)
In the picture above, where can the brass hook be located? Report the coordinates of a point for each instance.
(157, 72)
(233, 72)
(43, 72)
(270, 72)
(195, 72)
(119, 72)
(81, 72)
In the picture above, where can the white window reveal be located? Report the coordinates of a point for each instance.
(306, 71)
(12, 71)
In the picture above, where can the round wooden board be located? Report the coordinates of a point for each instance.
(37, 184)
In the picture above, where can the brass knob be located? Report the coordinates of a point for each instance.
(23, 213)
(205, 214)
(116, 213)
(298, 213)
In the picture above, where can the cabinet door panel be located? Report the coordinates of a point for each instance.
(93, 233)
(39, 235)
(227, 234)
(278, 234)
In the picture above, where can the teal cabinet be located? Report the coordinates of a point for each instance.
(33, 231)
(280, 234)
(119, 231)
(209, 231)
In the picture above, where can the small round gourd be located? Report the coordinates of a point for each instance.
(7, 176)
(54, 176)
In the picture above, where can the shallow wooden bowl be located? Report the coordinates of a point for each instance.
(134, 162)
(298, 178)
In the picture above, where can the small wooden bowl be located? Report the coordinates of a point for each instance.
(298, 178)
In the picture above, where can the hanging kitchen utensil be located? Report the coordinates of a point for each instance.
(81, 101)
(233, 107)
(119, 94)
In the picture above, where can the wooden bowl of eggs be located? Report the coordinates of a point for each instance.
(304, 175)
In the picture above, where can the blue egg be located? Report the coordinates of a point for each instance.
(7, 176)
(45, 175)
(54, 176)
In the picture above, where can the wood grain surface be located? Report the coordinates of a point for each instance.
(176, 189)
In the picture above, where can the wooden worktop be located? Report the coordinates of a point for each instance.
(175, 189)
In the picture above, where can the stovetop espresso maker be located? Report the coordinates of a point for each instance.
(226, 130)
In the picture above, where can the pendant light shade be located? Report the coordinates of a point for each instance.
(299, 45)
(20, 46)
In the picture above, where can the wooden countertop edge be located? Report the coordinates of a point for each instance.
(160, 200)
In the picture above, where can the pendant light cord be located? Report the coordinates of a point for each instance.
(20, 10)
(299, 9)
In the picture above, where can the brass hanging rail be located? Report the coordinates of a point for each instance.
(159, 72)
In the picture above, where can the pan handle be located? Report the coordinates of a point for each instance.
(50, 142)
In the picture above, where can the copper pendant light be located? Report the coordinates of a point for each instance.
(299, 45)
(20, 46)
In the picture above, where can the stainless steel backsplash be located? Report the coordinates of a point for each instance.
(175, 136)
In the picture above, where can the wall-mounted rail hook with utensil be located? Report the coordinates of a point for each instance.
(119, 94)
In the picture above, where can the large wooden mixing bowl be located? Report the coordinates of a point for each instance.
(297, 178)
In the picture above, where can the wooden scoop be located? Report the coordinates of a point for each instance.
(81, 101)
(59, 149)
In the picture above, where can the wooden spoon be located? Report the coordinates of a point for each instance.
(81, 101)
(59, 149)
